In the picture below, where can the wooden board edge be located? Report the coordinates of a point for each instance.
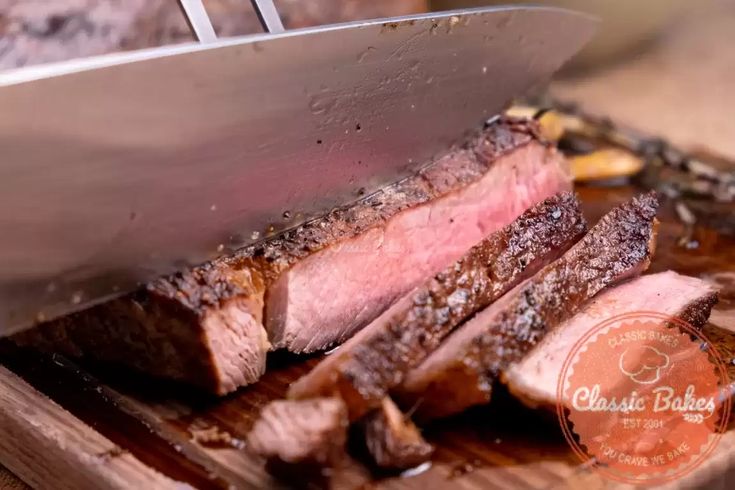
(48, 447)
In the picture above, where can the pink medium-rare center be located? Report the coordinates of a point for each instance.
(331, 294)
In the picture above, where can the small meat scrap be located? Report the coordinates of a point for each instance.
(300, 436)
(392, 440)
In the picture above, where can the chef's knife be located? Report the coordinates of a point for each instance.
(117, 169)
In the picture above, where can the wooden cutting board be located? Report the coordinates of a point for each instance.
(65, 426)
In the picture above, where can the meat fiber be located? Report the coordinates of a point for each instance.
(320, 282)
(461, 372)
(300, 436)
(329, 281)
(375, 360)
(392, 440)
(534, 379)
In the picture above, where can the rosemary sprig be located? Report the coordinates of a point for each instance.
(690, 181)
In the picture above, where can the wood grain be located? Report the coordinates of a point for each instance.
(50, 448)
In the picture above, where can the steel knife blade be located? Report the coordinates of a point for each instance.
(118, 169)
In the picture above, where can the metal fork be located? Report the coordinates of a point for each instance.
(201, 25)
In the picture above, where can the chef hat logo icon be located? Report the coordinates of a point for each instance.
(643, 364)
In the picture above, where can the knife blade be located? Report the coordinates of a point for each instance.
(121, 168)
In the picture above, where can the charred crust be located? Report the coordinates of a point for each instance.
(698, 311)
(205, 287)
(619, 246)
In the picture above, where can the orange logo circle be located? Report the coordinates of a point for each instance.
(643, 398)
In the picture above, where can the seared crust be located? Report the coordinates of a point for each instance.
(698, 311)
(199, 289)
(618, 247)
(376, 359)
(462, 372)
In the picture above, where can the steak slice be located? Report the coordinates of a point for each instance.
(461, 372)
(300, 436)
(534, 379)
(375, 360)
(321, 281)
(329, 281)
(201, 326)
(392, 439)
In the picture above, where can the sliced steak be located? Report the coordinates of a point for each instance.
(300, 436)
(461, 372)
(534, 379)
(392, 439)
(321, 281)
(375, 360)
(330, 280)
(201, 326)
